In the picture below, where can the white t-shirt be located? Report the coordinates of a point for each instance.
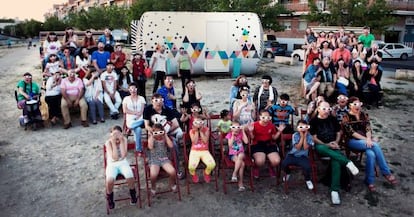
(83, 62)
(161, 62)
(52, 47)
(110, 80)
(94, 88)
(133, 106)
(52, 91)
(53, 67)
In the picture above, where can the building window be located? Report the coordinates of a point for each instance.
(303, 25)
(287, 25)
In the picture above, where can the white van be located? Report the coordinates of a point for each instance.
(217, 42)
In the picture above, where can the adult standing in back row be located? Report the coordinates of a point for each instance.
(184, 69)
(159, 66)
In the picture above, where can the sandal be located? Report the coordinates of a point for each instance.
(242, 188)
(233, 179)
(371, 188)
(391, 179)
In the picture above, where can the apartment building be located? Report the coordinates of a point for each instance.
(295, 24)
(62, 10)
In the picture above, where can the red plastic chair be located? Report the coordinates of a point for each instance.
(120, 179)
(161, 175)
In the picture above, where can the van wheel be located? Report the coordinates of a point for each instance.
(296, 57)
(269, 55)
(404, 56)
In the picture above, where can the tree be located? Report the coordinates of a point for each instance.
(375, 14)
(54, 24)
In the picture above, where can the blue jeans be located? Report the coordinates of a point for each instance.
(136, 127)
(94, 105)
(374, 154)
(342, 89)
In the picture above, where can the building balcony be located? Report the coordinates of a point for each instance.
(402, 5)
(295, 7)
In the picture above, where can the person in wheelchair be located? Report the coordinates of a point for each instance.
(28, 98)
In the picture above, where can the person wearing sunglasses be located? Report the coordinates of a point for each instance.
(158, 113)
(301, 143)
(237, 138)
(310, 79)
(28, 96)
(158, 142)
(341, 108)
(168, 93)
(326, 133)
(195, 112)
(282, 111)
(244, 110)
(199, 135)
(238, 85)
(191, 95)
(133, 108)
(263, 133)
(265, 95)
(358, 130)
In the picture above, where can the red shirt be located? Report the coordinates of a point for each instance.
(263, 133)
(199, 145)
(119, 63)
(138, 67)
(345, 54)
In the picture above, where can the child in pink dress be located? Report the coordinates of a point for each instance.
(236, 138)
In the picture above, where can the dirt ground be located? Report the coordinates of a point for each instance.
(57, 172)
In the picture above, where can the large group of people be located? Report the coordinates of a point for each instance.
(253, 124)
(342, 63)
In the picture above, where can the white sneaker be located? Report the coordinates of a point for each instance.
(351, 166)
(335, 198)
(309, 184)
(286, 178)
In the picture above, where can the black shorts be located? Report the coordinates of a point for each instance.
(266, 147)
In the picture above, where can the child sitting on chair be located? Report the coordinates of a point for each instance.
(158, 157)
(301, 142)
(117, 163)
(223, 126)
(199, 135)
(263, 134)
(236, 138)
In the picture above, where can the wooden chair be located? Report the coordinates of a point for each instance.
(214, 173)
(227, 165)
(314, 171)
(161, 175)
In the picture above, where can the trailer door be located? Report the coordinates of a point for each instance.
(216, 58)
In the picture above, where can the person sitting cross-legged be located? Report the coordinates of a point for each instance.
(112, 97)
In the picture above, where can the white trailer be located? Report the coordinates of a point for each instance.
(217, 42)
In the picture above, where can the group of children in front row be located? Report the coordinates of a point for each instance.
(264, 133)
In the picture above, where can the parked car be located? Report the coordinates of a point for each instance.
(298, 54)
(395, 50)
(272, 49)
